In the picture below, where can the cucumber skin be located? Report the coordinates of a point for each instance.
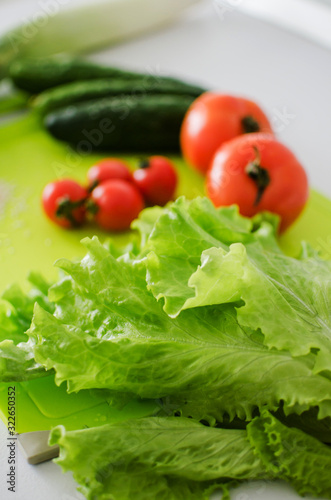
(37, 75)
(150, 124)
(75, 92)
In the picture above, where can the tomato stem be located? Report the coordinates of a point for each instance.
(91, 207)
(93, 186)
(250, 125)
(144, 164)
(259, 175)
(66, 207)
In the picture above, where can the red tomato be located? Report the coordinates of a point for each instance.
(64, 202)
(216, 118)
(157, 180)
(116, 203)
(109, 168)
(258, 173)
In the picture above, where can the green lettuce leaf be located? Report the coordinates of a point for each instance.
(164, 458)
(211, 320)
(109, 331)
(17, 361)
(182, 232)
(145, 223)
(16, 307)
(181, 459)
(292, 455)
(199, 256)
(288, 299)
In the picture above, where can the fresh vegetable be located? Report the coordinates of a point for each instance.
(134, 87)
(17, 362)
(180, 459)
(63, 28)
(225, 352)
(115, 204)
(64, 202)
(151, 123)
(109, 168)
(78, 80)
(214, 119)
(156, 179)
(258, 173)
(36, 75)
(114, 197)
(167, 458)
(208, 318)
(291, 455)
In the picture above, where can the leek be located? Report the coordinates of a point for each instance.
(60, 28)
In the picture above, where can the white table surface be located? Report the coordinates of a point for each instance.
(288, 75)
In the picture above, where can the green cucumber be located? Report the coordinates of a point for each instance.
(75, 92)
(126, 124)
(37, 75)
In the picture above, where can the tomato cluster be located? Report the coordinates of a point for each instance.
(114, 196)
(231, 140)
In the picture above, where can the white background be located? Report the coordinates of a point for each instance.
(287, 74)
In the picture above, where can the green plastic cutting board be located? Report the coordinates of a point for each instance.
(29, 158)
(40, 405)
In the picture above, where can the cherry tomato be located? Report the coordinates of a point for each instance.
(115, 203)
(258, 173)
(109, 168)
(64, 202)
(213, 119)
(157, 180)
